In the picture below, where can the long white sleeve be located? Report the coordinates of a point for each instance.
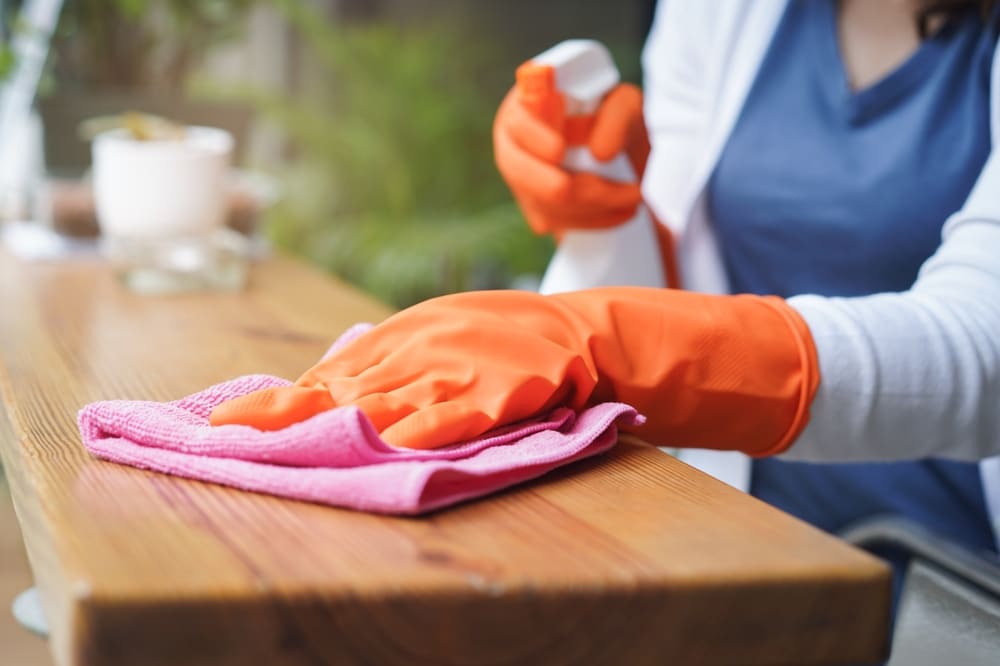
(913, 374)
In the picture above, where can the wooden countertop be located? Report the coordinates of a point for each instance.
(629, 558)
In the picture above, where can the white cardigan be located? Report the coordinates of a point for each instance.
(904, 375)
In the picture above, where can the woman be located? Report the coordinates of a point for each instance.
(818, 148)
(835, 157)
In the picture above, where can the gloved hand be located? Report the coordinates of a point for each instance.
(723, 372)
(530, 135)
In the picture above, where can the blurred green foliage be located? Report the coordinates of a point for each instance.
(6, 61)
(9, 24)
(140, 44)
(391, 182)
(129, 43)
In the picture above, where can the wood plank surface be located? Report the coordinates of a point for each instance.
(629, 558)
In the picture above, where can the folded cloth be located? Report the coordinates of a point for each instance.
(336, 457)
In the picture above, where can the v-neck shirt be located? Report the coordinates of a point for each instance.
(822, 189)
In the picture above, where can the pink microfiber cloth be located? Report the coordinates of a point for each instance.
(337, 457)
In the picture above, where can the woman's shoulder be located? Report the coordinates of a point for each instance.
(704, 32)
(705, 19)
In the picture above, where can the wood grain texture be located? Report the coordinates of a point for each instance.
(630, 558)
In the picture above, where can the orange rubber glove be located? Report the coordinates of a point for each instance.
(530, 135)
(722, 372)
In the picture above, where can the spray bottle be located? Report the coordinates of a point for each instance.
(583, 72)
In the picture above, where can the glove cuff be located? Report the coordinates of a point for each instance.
(806, 349)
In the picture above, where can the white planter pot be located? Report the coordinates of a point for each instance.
(161, 189)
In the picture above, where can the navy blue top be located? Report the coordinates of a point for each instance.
(828, 191)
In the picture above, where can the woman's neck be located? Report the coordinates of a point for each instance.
(876, 37)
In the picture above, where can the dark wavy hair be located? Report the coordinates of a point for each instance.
(947, 8)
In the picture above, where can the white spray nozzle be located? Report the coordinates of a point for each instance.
(584, 70)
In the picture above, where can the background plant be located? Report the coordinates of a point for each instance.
(390, 181)
(140, 44)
